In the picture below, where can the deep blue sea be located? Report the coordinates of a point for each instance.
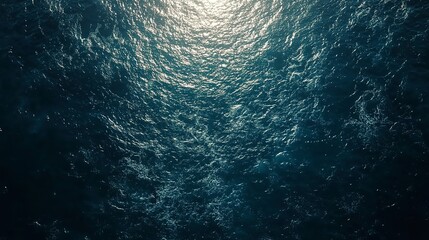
(214, 119)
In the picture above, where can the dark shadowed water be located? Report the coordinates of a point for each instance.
(214, 119)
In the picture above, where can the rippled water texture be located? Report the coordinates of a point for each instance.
(215, 119)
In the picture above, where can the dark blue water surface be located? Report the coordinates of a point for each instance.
(214, 119)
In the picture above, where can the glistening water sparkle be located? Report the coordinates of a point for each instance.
(215, 119)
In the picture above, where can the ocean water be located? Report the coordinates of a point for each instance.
(214, 119)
